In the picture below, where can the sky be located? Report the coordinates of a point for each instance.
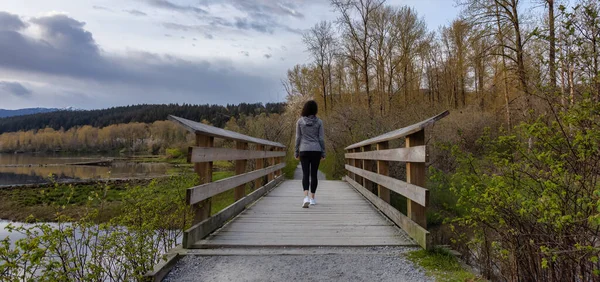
(92, 54)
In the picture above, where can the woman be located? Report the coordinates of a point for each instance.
(310, 149)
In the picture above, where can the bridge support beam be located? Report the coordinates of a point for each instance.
(366, 165)
(204, 171)
(383, 168)
(240, 168)
(260, 164)
(415, 174)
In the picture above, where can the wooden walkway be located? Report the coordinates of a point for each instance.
(342, 217)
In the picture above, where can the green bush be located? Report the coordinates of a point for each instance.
(290, 167)
(152, 220)
(532, 197)
(174, 153)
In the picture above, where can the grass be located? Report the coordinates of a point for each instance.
(327, 166)
(290, 167)
(42, 203)
(442, 265)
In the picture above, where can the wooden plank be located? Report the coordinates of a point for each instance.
(201, 192)
(281, 159)
(410, 191)
(414, 230)
(412, 154)
(163, 268)
(415, 174)
(341, 217)
(240, 168)
(271, 175)
(204, 170)
(399, 133)
(383, 169)
(204, 129)
(358, 164)
(202, 229)
(351, 162)
(201, 154)
(366, 165)
(260, 164)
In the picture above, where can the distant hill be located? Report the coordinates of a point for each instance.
(23, 112)
(217, 115)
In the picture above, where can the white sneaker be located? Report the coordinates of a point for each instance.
(313, 202)
(306, 202)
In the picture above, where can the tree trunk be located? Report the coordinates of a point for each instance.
(520, 54)
(552, 42)
(505, 78)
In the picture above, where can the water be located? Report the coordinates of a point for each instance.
(18, 169)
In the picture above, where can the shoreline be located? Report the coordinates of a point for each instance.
(82, 182)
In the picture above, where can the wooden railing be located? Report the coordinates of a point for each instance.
(359, 158)
(269, 158)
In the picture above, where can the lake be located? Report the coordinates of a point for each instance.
(16, 169)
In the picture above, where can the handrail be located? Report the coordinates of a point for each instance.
(399, 133)
(358, 163)
(267, 174)
(207, 130)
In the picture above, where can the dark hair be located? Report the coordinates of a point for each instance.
(310, 108)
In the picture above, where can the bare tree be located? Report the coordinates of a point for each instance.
(503, 13)
(321, 43)
(357, 33)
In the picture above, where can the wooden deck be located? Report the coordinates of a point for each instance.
(342, 217)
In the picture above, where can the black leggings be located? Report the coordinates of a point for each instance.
(310, 163)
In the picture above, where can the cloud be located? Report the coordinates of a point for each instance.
(67, 53)
(268, 56)
(164, 4)
(10, 22)
(96, 7)
(262, 7)
(260, 26)
(136, 12)
(66, 34)
(181, 27)
(14, 88)
(264, 16)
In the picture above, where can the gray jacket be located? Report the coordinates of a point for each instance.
(310, 135)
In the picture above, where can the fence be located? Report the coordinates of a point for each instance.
(358, 163)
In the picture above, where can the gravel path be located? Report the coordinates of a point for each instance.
(328, 264)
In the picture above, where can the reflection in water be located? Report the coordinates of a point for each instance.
(33, 169)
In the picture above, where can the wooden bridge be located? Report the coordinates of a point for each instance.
(352, 212)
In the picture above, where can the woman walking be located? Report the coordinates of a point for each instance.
(310, 149)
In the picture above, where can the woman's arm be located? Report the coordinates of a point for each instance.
(322, 139)
(298, 139)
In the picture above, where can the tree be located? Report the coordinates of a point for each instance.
(321, 43)
(357, 36)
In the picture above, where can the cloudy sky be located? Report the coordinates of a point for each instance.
(100, 53)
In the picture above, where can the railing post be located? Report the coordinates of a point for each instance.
(279, 160)
(383, 169)
(271, 163)
(358, 164)
(240, 168)
(260, 163)
(366, 165)
(204, 171)
(415, 174)
(350, 163)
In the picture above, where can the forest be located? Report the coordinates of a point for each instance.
(513, 171)
(64, 120)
